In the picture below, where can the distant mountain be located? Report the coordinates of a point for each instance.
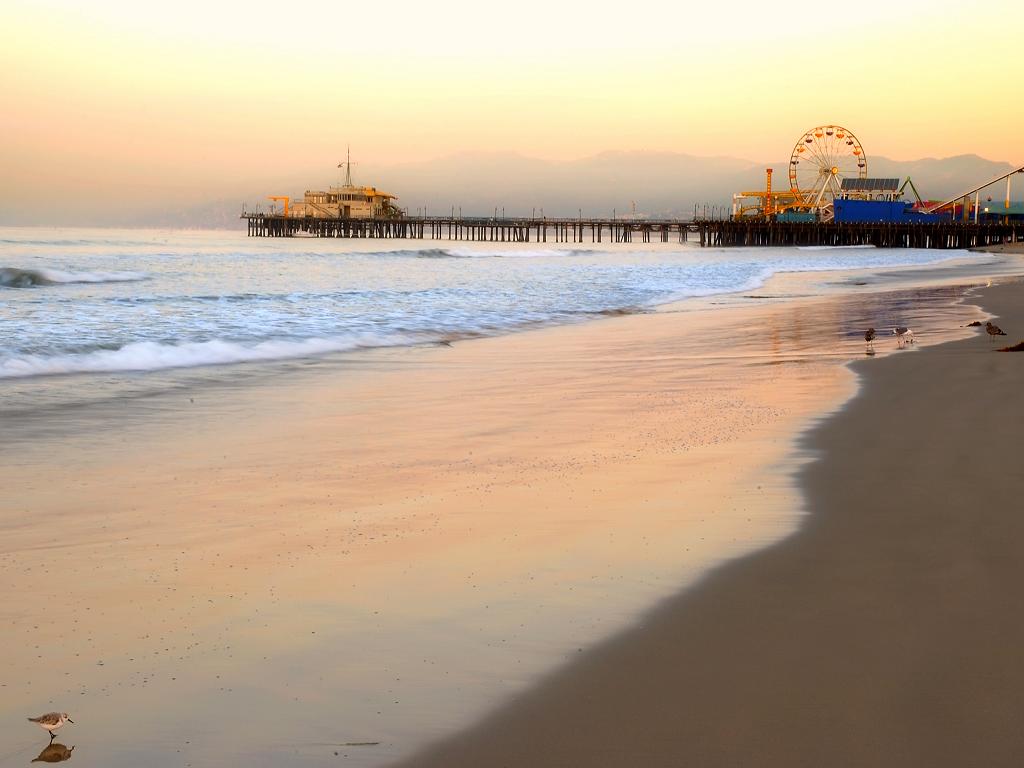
(945, 177)
(660, 184)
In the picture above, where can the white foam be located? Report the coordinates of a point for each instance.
(833, 247)
(152, 356)
(521, 253)
(59, 276)
(20, 278)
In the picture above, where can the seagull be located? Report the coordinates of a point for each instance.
(993, 330)
(869, 335)
(51, 721)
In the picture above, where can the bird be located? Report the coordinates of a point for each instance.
(993, 330)
(51, 721)
(903, 334)
(869, 335)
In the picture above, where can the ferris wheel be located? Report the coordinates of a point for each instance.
(821, 159)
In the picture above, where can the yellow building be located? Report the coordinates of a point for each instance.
(347, 201)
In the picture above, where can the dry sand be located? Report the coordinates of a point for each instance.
(886, 632)
(1003, 248)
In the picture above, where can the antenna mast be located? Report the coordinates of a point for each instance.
(348, 165)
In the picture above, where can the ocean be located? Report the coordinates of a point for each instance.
(98, 302)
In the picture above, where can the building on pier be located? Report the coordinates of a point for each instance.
(868, 200)
(346, 201)
(867, 188)
(1000, 210)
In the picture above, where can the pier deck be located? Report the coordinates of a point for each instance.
(708, 232)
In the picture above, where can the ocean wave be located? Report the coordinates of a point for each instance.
(516, 253)
(475, 253)
(833, 247)
(154, 356)
(13, 277)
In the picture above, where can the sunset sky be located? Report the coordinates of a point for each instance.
(124, 103)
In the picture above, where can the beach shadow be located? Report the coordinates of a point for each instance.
(55, 752)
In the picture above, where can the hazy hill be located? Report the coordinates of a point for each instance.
(661, 184)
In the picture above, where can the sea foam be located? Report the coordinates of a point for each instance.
(14, 277)
(153, 356)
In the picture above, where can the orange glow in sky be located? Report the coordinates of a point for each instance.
(188, 99)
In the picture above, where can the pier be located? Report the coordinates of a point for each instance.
(748, 232)
(706, 232)
(488, 230)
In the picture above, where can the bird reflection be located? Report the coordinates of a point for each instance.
(55, 752)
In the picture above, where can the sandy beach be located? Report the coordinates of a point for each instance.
(446, 385)
(359, 556)
(885, 632)
(1004, 248)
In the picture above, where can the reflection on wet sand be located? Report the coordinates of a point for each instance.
(55, 753)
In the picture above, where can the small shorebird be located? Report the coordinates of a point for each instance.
(903, 334)
(869, 339)
(51, 721)
(993, 330)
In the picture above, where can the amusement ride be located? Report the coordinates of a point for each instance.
(820, 160)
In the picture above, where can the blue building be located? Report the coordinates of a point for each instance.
(873, 201)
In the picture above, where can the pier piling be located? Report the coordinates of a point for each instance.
(710, 232)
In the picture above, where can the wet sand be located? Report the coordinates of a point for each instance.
(383, 546)
(886, 632)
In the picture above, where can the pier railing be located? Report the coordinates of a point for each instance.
(708, 232)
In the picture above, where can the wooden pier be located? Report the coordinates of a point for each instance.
(708, 232)
(489, 230)
(880, 235)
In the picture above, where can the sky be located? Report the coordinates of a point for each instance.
(107, 104)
